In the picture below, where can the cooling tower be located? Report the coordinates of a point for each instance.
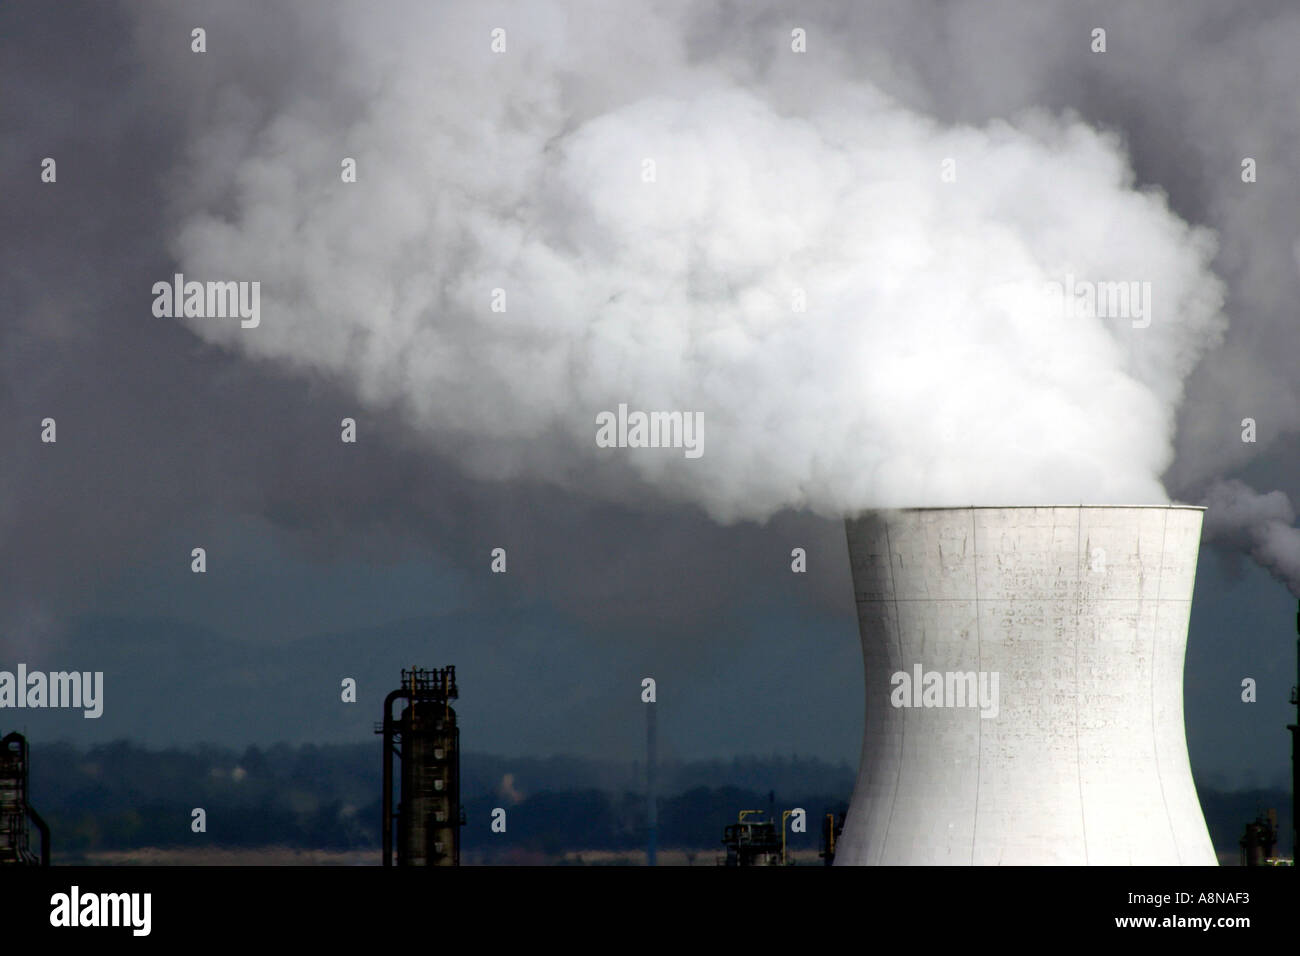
(1024, 687)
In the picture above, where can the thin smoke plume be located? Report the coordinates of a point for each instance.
(1260, 525)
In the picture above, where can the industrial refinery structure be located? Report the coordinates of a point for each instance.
(1024, 687)
(1260, 841)
(426, 739)
(753, 841)
(16, 811)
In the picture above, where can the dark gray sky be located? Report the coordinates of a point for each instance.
(327, 560)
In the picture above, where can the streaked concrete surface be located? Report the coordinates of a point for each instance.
(1082, 613)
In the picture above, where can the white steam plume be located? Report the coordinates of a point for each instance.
(932, 366)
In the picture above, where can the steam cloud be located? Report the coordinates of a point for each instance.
(932, 365)
(1259, 525)
(471, 177)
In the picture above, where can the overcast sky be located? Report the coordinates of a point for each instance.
(524, 170)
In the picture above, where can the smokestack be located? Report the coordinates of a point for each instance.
(1024, 687)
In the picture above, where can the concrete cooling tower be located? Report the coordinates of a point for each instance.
(1024, 687)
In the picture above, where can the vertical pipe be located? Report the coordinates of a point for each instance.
(651, 794)
(387, 799)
